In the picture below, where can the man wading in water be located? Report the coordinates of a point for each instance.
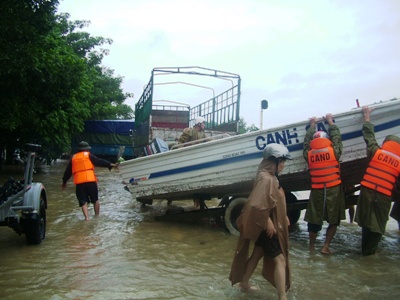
(327, 201)
(82, 167)
(377, 185)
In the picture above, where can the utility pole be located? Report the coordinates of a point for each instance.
(264, 105)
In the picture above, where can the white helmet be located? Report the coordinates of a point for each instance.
(321, 134)
(199, 120)
(277, 151)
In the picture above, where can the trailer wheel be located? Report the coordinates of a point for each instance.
(232, 212)
(35, 227)
(293, 215)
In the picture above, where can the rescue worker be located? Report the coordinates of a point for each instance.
(377, 185)
(190, 135)
(263, 220)
(395, 212)
(327, 201)
(82, 167)
(195, 133)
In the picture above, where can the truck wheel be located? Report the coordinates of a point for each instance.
(232, 212)
(293, 215)
(35, 227)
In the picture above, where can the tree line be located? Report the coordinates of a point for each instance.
(51, 78)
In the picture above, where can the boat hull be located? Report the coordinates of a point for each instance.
(228, 166)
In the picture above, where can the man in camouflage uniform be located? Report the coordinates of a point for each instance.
(195, 133)
(327, 201)
(377, 185)
(190, 135)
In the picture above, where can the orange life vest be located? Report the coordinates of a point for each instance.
(82, 168)
(383, 169)
(323, 165)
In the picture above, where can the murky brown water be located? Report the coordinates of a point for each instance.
(125, 254)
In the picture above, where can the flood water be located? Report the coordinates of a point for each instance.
(125, 254)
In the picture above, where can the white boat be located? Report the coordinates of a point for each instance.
(223, 168)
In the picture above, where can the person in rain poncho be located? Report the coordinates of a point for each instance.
(263, 220)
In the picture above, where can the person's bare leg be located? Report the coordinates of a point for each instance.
(96, 207)
(313, 238)
(85, 211)
(351, 213)
(251, 265)
(330, 232)
(280, 276)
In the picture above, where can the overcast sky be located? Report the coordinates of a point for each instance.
(306, 57)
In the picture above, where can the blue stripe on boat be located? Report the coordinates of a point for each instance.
(347, 136)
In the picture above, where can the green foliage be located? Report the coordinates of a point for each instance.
(243, 128)
(51, 78)
(107, 97)
(24, 26)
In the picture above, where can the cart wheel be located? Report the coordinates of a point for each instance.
(293, 215)
(232, 212)
(36, 226)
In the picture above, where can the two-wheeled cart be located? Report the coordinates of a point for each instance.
(23, 203)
